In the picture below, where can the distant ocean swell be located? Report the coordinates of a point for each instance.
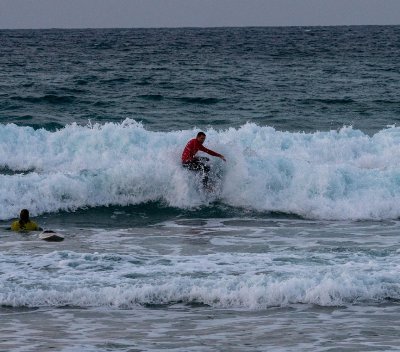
(343, 174)
(65, 278)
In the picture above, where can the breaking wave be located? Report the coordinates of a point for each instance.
(343, 174)
(66, 278)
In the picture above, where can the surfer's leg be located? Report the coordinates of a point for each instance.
(205, 170)
(198, 166)
(192, 165)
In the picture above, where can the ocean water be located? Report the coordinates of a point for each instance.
(296, 248)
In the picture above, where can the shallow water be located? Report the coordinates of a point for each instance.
(182, 328)
(204, 284)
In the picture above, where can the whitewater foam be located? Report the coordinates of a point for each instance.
(343, 174)
(66, 278)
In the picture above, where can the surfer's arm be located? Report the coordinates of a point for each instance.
(15, 226)
(211, 152)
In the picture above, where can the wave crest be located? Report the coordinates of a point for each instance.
(342, 174)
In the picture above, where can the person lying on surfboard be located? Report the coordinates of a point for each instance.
(194, 163)
(24, 223)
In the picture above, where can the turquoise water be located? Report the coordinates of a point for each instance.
(295, 249)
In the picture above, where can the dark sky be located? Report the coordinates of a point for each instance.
(194, 13)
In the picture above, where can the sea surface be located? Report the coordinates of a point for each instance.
(296, 248)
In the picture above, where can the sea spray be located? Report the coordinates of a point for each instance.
(343, 174)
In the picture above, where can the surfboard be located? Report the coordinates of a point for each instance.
(51, 236)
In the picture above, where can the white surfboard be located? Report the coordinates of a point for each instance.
(51, 236)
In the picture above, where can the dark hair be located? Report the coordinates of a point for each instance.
(23, 217)
(201, 134)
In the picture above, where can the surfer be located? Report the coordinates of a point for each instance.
(194, 163)
(24, 223)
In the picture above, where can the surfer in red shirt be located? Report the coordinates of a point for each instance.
(194, 163)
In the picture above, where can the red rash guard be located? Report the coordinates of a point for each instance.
(192, 147)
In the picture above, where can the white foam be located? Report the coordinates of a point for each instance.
(219, 280)
(342, 174)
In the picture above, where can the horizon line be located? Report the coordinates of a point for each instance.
(206, 27)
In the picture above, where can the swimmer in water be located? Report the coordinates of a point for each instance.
(24, 223)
